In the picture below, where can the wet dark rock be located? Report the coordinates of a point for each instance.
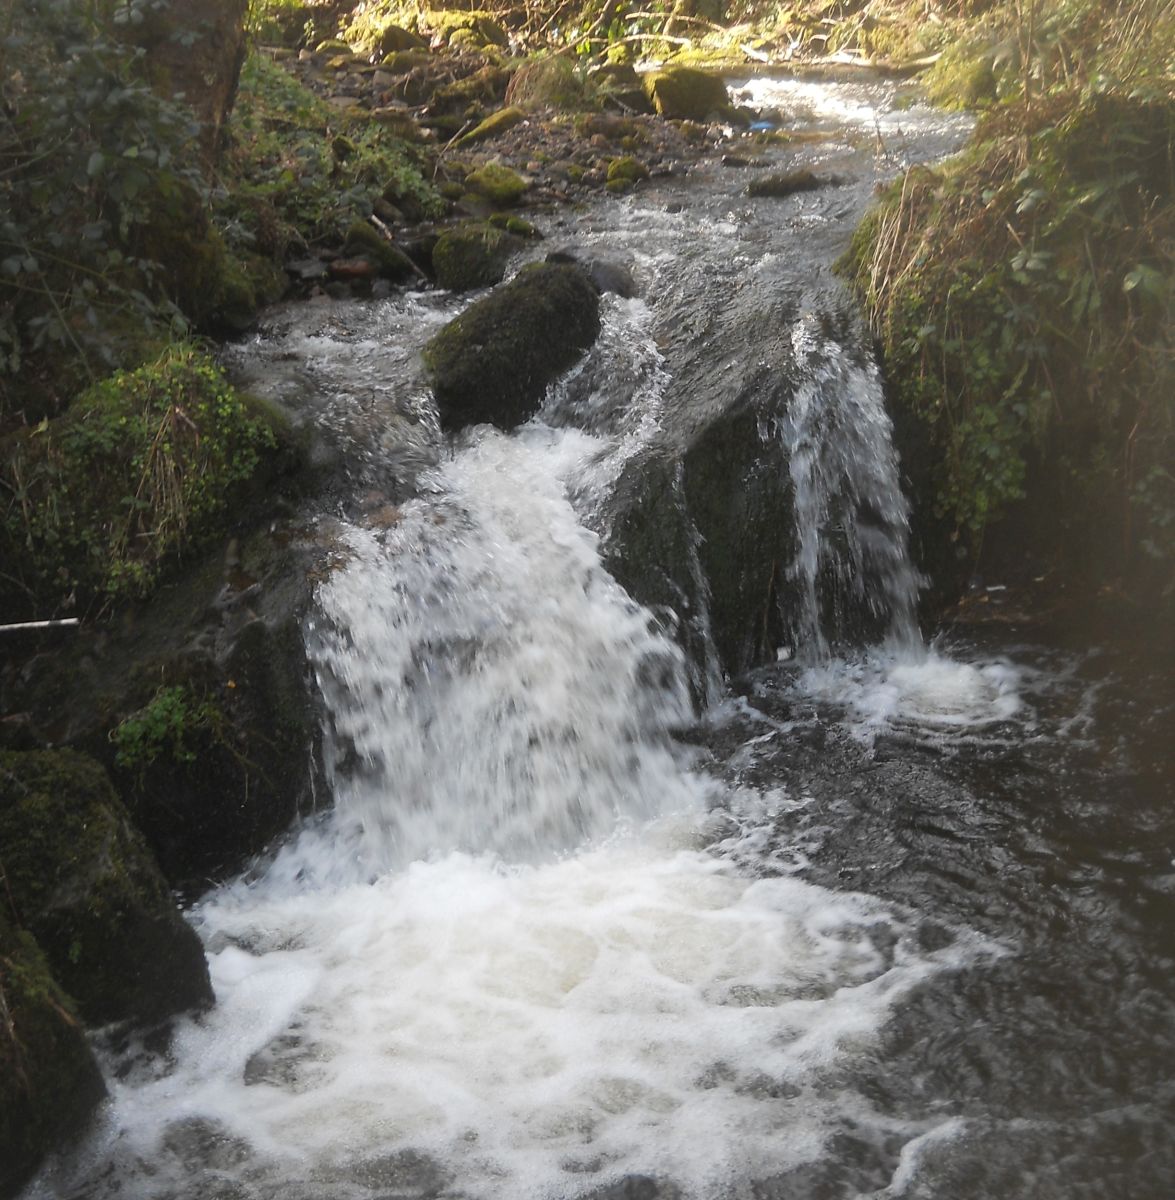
(82, 880)
(49, 1081)
(606, 274)
(391, 262)
(786, 183)
(494, 362)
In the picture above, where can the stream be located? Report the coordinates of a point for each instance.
(889, 917)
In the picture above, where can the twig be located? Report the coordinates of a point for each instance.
(64, 621)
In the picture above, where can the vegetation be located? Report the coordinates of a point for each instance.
(142, 466)
(1023, 293)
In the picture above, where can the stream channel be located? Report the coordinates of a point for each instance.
(892, 919)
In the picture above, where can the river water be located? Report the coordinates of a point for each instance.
(893, 921)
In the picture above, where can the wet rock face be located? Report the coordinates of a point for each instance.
(472, 256)
(49, 1081)
(493, 363)
(84, 883)
(212, 683)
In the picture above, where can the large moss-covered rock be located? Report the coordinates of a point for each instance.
(49, 1081)
(472, 256)
(83, 881)
(498, 184)
(686, 93)
(494, 362)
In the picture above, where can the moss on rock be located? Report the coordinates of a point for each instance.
(471, 256)
(144, 465)
(494, 362)
(49, 1081)
(496, 123)
(501, 186)
(624, 173)
(84, 883)
(686, 93)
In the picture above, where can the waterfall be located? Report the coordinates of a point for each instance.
(852, 519)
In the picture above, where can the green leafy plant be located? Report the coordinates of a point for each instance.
(164, 726)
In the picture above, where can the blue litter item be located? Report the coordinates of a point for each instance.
(762, 126)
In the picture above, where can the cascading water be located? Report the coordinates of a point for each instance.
(539, 948)
(852, 520)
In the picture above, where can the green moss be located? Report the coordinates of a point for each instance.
(83, 882)
(624, 173)
(144, 465)
(481, 27)
(471, 256)
(685, 93)
(498, 184)
(515, 225)
(495, 360)
(496, 123)
(363, 239)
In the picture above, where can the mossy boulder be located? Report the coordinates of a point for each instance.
(494, 362)
(472, 256)
(84, 883)
(484, 87)
(496, 123)
(624, 173)
(686, 93)
(501, 186)
(49, 1081)
(388, 258)
(548, 82)
(392, 39)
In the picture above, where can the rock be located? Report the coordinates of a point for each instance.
(785, 183)
(471, 256)
(84, 883)
(494, 362)
(686, 93)
(515, 225)
(496, 123)
(619, 84)
(403, 61)
(333, 46)
(498, 184)
(624, 173)
(606, 274)
(548, 82)
(352, 270)
(49, 1081)
(391, 261)
(398, 123)
(395, 38)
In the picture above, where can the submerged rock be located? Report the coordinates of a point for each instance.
(82, 880)
(493, 363)
(606, 274)
(49, 1081)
